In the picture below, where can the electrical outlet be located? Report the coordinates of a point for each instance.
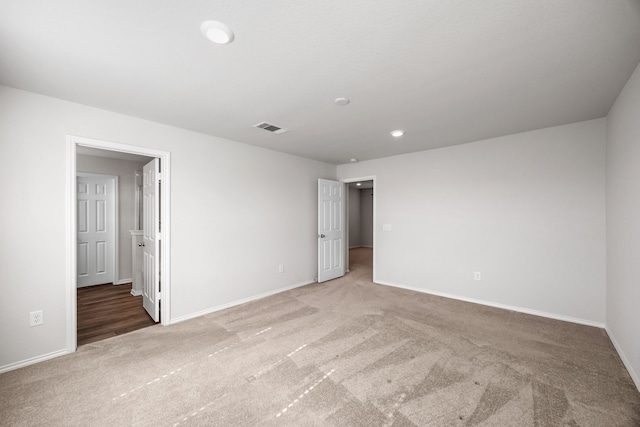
(477, 276)
(281, 268)
(36, 318)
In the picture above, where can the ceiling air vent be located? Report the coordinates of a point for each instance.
(270, 127)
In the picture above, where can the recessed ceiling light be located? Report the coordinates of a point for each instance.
(217, 32)
(353, 160)
(359, 184)
(397, 132)
(342, 101)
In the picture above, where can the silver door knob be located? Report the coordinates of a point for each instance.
(140, 244)
(322, 236)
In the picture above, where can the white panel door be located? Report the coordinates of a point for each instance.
(96, 229)
(331, 230)
(151, 238)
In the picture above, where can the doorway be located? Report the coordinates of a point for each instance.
(108, 190)
(360, 218)
(112, 150)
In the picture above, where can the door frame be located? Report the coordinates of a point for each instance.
(71, 224)
(375, 199)
(116, 224)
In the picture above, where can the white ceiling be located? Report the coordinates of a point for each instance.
(448, 71)
(96, 152)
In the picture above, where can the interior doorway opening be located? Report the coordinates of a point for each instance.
(109, 304)
(360, 218)
(84, 154)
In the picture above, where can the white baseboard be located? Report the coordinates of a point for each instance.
(237, 302)
(623, 357)
(502, 306)
(123, 281)
(31, 361)
(136, 293)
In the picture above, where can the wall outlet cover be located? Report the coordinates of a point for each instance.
(36, 318)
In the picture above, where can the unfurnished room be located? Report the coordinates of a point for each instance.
(320, 213)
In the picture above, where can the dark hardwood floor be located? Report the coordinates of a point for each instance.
(105, 311)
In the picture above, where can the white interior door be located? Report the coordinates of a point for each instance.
(96, 229)
(151, 238)
(331, 230)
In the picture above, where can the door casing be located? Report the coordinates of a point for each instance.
(71, 224)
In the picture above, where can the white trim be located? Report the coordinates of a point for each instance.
(633, 374)
(240, 301)
(32, 360)
(375, 202)
(165, 243)
(498, 305)
(123, 281)
(116, 222)
(136, 293)
(71, 244)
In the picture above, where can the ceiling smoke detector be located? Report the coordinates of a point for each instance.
(271, 127)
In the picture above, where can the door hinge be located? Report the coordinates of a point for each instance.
(159, 176)
(159, 296)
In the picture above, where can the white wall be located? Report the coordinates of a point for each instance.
(126, 172)
(525, 210)
(366, 217)
(237, 212)
(623, 225)
(354, 217)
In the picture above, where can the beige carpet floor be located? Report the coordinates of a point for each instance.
(343, 353)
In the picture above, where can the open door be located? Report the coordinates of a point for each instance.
(331, 230)
(151, 239)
